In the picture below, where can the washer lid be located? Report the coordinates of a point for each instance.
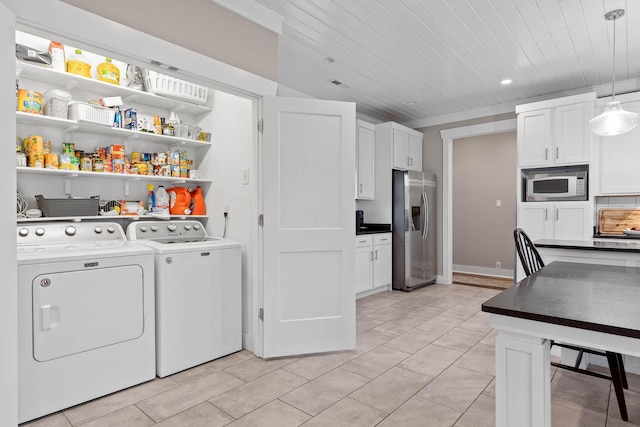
(28, 254)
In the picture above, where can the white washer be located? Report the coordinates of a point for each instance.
(85, 314)
(198, 293)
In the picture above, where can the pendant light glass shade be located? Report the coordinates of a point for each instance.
(613, 120)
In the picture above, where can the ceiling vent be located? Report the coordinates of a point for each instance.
(335, 82)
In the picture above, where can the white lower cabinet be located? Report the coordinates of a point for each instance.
(560, 221)
(373, 263)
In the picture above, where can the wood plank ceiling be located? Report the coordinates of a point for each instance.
(406, 60)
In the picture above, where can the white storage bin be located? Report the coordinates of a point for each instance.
(168, 86)
(82, 111)
(56, 103)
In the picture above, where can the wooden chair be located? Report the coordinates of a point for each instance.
(532, 262)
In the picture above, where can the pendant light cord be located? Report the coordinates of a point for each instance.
(613, 68)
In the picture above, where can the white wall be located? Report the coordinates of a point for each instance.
(231, 155)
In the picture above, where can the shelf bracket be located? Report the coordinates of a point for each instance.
(126, 189)
(71, 85)
(72, 128)
(131, 98)
(67, 186)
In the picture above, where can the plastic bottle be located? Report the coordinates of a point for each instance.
(56, 50)
(151, 199)
(162, 200)
(199, 207)
(107, 72)
(79, 64)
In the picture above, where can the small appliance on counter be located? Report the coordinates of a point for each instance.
(369, 228)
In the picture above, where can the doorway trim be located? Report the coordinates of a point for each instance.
(448, 136)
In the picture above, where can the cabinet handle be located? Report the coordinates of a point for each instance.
(408, 161)
(557, 153)
(546, 214)
(360, 188)
(546, 154)
(557, 210)
(383, 240)
(376, 254)
(362, 241)
(371, 255)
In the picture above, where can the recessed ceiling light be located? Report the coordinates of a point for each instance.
(329, 60)
(505, 82)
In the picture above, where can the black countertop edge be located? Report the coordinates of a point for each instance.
(371, 228)
(590, 245)
(563, 322)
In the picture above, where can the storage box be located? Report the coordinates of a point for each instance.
(56, 103)
(68, 207)
(83, 111)
(168, 86)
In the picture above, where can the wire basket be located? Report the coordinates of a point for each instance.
(82, 111)
(161, 84)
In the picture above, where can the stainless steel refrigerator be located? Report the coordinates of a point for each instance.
(414, 231)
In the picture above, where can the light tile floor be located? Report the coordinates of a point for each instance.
(424, 358)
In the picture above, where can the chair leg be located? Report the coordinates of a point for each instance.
(623, 373)
(578, 359)
(616, 378)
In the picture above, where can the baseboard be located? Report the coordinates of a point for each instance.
(247, 341)
(373, 291)
(440, 281)
(484, 271)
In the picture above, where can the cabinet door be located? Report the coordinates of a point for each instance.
(364, 257)
(572, 136)
(415, 153)
(536, 219)
(620, 159)
(366, 170)
(381, 265)
(534, 138)
(572, 221)
(400, 150)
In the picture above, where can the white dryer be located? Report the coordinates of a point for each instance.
(198, 293)
(85, 314)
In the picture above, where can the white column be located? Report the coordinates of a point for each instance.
(523, 381)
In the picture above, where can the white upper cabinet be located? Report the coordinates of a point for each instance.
(555, 132)
(365, 157)
(407, 148)
(620, 157)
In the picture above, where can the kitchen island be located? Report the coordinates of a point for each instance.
(587, 305)
(602, 251)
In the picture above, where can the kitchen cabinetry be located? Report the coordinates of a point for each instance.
(373, 263)
(561, 220)
(88, 136)
(555, 132)
(365, 155)
(407, 149)
(620, 156)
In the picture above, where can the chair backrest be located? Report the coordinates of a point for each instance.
(527, 252)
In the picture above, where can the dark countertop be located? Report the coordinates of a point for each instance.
(619, 245)
(370, 228)
(594, 297)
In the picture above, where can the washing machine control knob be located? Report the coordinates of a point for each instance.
(187, 227)
(98, 230)
(154, 228)
(172, 227)
(39, 231)
(70, 230)
(196, 226)
(111, 230)
(144, 228)
(24, 232)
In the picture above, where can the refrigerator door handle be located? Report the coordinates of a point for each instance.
(425, 200)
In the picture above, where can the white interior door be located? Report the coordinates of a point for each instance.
(308, 165)
(8, 288)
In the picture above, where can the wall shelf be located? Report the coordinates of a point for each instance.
(106, 175)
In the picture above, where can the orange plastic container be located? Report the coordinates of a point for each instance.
(179, 201)
(199, 207)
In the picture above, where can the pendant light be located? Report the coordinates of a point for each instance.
(613, 120)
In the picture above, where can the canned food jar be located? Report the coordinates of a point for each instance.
(29, 101)
(86, 164)
(68, 148)
(21, 159)
(51, 161)
(35, 160)
(98, 165)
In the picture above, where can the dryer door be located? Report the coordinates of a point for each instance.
(78, 311)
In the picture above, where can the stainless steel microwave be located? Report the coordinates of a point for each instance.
(555, 184)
